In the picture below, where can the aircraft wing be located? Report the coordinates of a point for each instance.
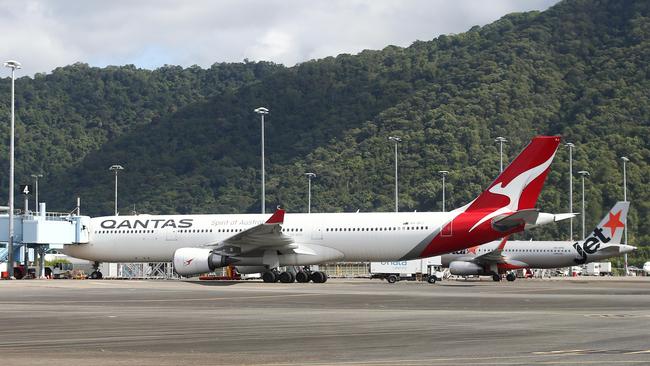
(262, 236)
(495, 256)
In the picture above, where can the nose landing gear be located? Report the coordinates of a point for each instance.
(96, 274)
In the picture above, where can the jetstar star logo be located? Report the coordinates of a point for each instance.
(188, 262)
(614, 223)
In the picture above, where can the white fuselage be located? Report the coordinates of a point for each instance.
(537, 254)
(358, 236)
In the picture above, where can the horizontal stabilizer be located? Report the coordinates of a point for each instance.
(510, 221)
(564, 216)
(548, 218)
(616, 249)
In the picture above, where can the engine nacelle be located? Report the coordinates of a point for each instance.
(461, 268)
(193, 261)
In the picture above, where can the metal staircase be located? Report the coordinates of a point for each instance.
(3, 253)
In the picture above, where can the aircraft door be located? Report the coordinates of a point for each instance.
(317, 233)
(171, 235)
(447, 230)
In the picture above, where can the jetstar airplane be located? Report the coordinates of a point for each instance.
(496, 258)
(254, 243)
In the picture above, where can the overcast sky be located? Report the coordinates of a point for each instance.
(43, 34)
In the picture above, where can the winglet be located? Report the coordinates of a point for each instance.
(277, 217)
(503, 243)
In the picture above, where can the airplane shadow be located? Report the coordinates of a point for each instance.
(217, 283)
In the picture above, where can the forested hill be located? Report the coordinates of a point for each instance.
(189, 140)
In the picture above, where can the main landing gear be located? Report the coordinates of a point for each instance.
(96, 274)
(511, 276)
(302, 276)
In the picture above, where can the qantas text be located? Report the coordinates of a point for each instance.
(147, 224)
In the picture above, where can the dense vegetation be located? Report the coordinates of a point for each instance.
(189, 140)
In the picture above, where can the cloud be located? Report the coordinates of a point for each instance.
(44, 34)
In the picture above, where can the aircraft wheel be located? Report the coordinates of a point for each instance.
(324, 277)
(96, 275)
(391, 279)
(287, 277)
(302, 277)
(432, 279)
(317, 277)
(496, 278)
(511, 277)
(269, 277)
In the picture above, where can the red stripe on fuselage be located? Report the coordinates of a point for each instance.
(461, 237)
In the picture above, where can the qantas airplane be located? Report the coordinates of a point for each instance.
(496, 258)
(255, 243)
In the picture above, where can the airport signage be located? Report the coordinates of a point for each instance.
(25, 189)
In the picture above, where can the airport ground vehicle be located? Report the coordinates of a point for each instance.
(426, 269)
(59, 265)
(598, 269)
(19, 271)
(255, 243)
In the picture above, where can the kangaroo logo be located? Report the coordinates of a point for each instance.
(590, 246)
(513, 189)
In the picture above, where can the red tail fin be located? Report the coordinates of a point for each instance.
(521, 182)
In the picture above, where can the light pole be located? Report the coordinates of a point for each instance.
(500, 140)
(116, 168)
(13, 65)
(262, 111)
(444, 174)
(396, 140)
(309, 177)
(584, 174)
(36, 176)
(625, 160)
(570, 146)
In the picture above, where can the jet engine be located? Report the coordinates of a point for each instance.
(465, 268)
(193, 261)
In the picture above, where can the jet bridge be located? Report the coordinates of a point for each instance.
(42, 230)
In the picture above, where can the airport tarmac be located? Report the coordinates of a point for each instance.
(349, 322)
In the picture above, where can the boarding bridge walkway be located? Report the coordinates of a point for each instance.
(42, 230)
